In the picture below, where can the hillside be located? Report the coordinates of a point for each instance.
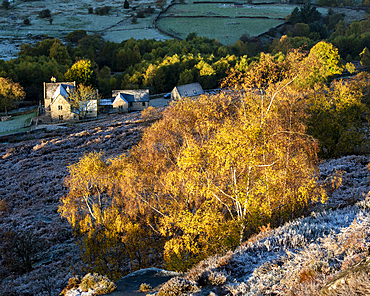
(33, 170)
(301, 256)
(33, 173)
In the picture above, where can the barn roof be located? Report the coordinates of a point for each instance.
(190, 90)
(136, 95)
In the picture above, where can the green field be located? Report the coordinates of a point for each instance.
(218, 1)
(18, 123)
(271, 11)
(224, 21)
(225, 30)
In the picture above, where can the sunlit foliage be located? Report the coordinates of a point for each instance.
(204, 177)
(10, 92)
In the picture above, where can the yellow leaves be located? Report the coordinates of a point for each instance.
(82, 72)
(322, 62)
(207, 174)
(203, 233)
(339, 117)
(9, 93)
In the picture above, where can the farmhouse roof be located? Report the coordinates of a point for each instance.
(63, 90)
(125, 97)
(136, 95)
(189, 90)
(106, 102)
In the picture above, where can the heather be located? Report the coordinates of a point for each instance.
(33, 170)
(217, 176)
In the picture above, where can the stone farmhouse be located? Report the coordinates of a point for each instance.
(58, 106)
(125, 101)
(189, 90)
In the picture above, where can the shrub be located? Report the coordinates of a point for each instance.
(177, 286)
(26, 21)
(45, 13)
(98, 283)
(145, 287)
(140, 14)
(5, 4)
(103, 10)
(90, 10)
(134, 20)
(4, 206)
(101, 284)
(20, 250)
(126, 5)
(76, 35)
(150, 114)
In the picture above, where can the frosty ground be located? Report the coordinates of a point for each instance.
(33, 170)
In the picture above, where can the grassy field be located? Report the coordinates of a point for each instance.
(226, 30)
(262, 1)
(18, 123)
(72, 15)
(182, 19)
(69, 15)
(271, 11)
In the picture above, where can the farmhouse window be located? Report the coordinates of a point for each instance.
(60, 107)
(144, 104)
(120, 107)
(60, 117)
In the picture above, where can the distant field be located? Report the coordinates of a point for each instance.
(226, 30)
(254, 2)
(271, 11)
(17, 123)
(223, 20)
(69, 15)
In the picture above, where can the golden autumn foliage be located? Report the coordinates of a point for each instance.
(203, 178)
(10, 92)
(212, 171)
(306, 68)
(339, 116)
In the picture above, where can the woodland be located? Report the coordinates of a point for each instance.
(161, 65)
(170, 188)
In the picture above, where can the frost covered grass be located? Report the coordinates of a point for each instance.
(17, 122)
(89, 285)
(33, 173)
(68, 16)
(225, 30)
(299, 257)
(305, 252)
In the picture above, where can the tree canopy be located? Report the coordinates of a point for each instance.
(82, 98)
(10, 92)
(82, 72)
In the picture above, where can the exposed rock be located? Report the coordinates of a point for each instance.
(154, 277)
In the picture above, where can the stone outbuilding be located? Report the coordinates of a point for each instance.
(130, 100)
(187, 90)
